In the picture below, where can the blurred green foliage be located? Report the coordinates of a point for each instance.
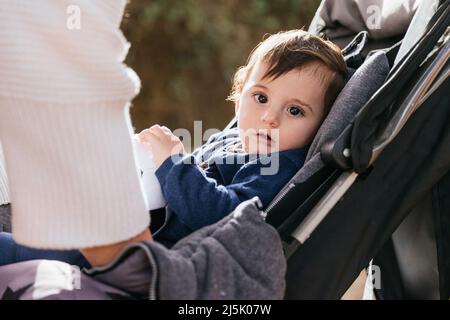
(186, 52)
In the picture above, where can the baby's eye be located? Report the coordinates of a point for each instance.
(296, 111)
(260, 98)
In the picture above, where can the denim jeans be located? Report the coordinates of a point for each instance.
(12, 252)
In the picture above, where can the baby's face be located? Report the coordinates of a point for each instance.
(282, 113)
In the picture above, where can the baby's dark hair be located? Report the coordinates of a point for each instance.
(296, 49)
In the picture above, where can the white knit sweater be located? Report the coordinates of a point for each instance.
(4, 189)
(65, 126)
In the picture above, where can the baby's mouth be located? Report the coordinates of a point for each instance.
(265, 136)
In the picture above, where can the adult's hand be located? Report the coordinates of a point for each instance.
(102, 255)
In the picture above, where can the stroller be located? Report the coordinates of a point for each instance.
(375, 189)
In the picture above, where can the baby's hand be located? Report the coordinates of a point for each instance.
(161, 142)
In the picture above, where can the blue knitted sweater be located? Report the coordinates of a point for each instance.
(199, 195)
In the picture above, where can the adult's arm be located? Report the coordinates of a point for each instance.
(4, 189)
(65, 126)
(5, 208)
(239, 257)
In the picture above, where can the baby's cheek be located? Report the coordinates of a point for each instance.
(295, 139)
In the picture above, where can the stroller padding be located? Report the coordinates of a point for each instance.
(362, 85)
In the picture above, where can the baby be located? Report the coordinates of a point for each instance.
(281, 97)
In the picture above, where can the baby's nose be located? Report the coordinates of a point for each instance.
(270, 118)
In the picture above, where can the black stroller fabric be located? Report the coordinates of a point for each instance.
(372, 209)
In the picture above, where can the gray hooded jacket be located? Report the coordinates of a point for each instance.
(240, 257)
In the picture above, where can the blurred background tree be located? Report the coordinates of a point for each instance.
(186, 53)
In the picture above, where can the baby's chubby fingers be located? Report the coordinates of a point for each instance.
(155, 128)
(146, 136)
(165, 129)
(161, 142)
(161, 131)
(156, 134)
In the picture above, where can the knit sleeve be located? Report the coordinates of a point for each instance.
(65, 125)
(65, 51)
(4, 189)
